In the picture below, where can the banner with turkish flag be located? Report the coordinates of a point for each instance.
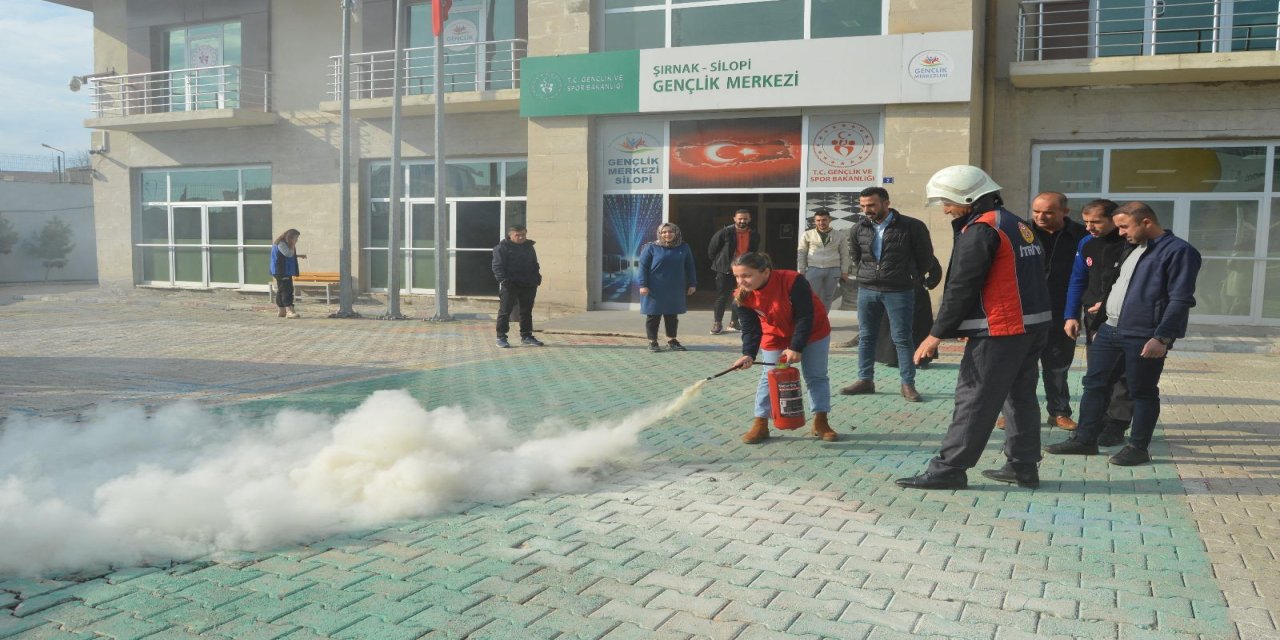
(439, 14)
(735, 153)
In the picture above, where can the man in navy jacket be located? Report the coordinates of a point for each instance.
(1146, 309)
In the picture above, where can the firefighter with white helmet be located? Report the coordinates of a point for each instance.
(995, 296)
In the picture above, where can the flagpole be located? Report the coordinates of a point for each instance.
(442, 193)
(345, 293)
(394, 259)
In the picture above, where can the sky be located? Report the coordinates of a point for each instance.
(41, 46)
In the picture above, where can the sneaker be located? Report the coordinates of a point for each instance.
(653, 346)
(292, 314)
(1130, 456)
(675, 345)
(1029, 478)
(734, 326)
(1072, 448)
(503, 344)
(531, 341)
(717, 328)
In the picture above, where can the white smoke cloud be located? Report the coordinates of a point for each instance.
(123, 489)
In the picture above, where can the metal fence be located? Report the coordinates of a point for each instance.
(477, 66)
(177, 90)
(1073, 29)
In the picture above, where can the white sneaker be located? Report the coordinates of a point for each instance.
(292, 314)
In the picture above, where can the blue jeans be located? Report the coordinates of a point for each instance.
(813, 367)
(1108, 351)
(900, 307)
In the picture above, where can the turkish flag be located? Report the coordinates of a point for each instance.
(439, 13)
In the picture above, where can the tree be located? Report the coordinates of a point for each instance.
(51, 245)
(8, 237)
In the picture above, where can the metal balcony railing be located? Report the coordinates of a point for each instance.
(477, 66)
(177, 90)
(1073, 29)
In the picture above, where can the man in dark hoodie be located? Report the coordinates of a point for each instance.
(515, 266)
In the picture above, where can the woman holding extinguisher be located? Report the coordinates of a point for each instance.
(789, 325)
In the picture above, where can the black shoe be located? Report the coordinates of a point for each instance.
(1111, 436)
(675, 345)
(503, 344)
(1029, 478)
(931, 480)
(1130, 456)
(1072, 448)
(717, 328)
(653, 346)
(531, 341)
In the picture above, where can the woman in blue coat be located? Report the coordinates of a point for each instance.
(667, 277)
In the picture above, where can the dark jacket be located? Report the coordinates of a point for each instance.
(1060, 254)
(1162, 289)
(1096, 267)
(906, 253)
(722, 246)
(995, 282)
(516, 264)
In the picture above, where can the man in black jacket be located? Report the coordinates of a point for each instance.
(890, 253)
(515, 266)
(1060, 236)
(727, 244)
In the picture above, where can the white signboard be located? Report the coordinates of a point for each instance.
(891, 69)
(631, 155)
(844, 151)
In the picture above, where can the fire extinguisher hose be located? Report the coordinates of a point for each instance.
(735, 369)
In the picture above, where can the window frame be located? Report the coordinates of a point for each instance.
(669, 6)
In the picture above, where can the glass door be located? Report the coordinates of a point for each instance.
(1226, 232)
(464, 55)
(188, 239)
(477, 227)
(1183, 26)
(420, 256)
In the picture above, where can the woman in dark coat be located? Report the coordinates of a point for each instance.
(667, 277)
(921, 320)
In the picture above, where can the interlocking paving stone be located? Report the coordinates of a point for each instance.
(695, 533)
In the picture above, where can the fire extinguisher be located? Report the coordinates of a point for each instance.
(784, 394)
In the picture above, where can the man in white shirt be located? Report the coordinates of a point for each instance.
(823, 258)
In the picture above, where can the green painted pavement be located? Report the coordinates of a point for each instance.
(695, 534)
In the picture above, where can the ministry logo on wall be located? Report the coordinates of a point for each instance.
(737, 153)
(843, 152)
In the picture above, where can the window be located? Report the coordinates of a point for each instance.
(642, 24)
(485, 197)
(484, 42)
(206, 62)
(205, 227)
(1217, 196)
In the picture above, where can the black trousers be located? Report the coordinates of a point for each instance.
(1120, 405)
(1055, 362)
(508, 297)
(725, 284)
(995, 372)
(651, 325)
(284, 291)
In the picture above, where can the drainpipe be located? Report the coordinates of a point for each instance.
(989, 86)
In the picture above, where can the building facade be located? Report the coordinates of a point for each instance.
(594, 121)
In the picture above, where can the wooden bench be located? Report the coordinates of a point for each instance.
(313, 279)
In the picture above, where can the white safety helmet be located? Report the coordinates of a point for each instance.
(960, 184)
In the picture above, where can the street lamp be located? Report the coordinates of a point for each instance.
(62, 161)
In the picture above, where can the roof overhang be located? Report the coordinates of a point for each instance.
(86, 5)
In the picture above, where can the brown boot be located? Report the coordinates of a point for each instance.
(758, 433)
(858, 388)
(822, 429)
